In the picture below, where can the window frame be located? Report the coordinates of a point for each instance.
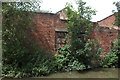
(60, 31)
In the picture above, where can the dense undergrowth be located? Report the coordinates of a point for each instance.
(22, 57)
(111, 59)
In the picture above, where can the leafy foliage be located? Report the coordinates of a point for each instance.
(21, 55)
(23, 58)
(111, 59)
(82, 52)
(80, 60)
(80, 28)
(117, 14)
(79, 24)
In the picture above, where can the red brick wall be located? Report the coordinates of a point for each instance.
(108, 22)
(44, 33)
(106, 32)
(46, 23)
(106, 36)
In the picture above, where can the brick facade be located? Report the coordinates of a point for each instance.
(106, 37)
(44, 33)
(106, 32)
(47, 23)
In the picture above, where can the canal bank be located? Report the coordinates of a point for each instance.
(106, 73)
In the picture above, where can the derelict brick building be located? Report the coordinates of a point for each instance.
(50, 30)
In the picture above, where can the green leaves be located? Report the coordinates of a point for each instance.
(21, 55)
(79, 25)
(117, 14)
(82, 49)
(111, 59)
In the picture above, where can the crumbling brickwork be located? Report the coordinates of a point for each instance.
(106, 37)
(106, 32)
(44, 33)
(47, 23)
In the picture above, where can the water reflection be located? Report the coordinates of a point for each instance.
(96, 73)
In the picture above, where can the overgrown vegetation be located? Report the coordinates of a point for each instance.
(82, 52)
(117, 14)
(111, 59)
(22, 57)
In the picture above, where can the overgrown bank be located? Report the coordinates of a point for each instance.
(23, 58)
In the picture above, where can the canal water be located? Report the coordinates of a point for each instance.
(96, 73)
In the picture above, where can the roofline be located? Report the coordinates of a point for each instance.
(106, 17)
(45, 13)
(68, 20)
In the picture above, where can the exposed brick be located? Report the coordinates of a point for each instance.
(106, 32)
(46, 23)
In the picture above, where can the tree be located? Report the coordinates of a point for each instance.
(111, 59)
(18, 46)
(81, 51)
(117, 23)
(79, 24)
(117, 14)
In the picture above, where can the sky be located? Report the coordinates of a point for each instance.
(103, 7)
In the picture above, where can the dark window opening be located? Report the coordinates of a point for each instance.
(60, 39)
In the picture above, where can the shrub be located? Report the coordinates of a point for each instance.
(38, 65)
(79, 60)
(22, 57)
(111, 59)
(79, 54)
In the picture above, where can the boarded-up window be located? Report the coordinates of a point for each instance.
(60, 38)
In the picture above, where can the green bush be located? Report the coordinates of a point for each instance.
(80, 54)
(39, 65)
(111, 59)
(79, 60)
(22, 57)
(63, 58)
